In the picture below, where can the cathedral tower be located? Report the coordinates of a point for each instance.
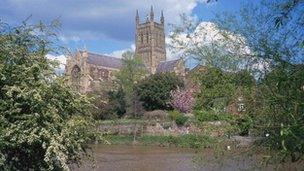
(150, 41)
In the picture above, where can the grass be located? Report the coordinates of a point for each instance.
(185, 141)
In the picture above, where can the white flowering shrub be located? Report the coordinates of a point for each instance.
(44, 125)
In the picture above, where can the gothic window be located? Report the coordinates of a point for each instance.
(144, 38)
(141, 38)
(75, 72)
(147, 37)
(159, 39)
(103, 74)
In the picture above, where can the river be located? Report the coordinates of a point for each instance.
(153, 158)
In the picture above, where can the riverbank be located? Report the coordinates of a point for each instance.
(129, 142)
(166, 133)
(164, 127)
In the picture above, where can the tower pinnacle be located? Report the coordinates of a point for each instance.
(137, 17)
(162, 18)
(152, 14)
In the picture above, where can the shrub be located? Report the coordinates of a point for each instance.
(154, 91)
(244, 124)
(182, 100)
(179, 118)
(44, 124)
(203, 116)
(280, 110)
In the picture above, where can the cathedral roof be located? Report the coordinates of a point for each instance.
(103, 60)
(167, 66)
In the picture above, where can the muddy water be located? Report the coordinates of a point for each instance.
(147, 158)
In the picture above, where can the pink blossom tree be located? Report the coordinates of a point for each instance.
(183, 100)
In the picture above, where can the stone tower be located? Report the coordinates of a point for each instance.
(150, 41)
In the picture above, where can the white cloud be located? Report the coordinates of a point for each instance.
(206, 40)
(207, 33)
(97, 18)
(118, 53)
(61, 59)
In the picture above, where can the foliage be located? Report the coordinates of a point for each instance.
(154, 91)
(183, 100)
(281, 110)
(44, 124)
(203, 116)
(240, 124)
(275, 38)
(179, 118)
(219, 88)
(131, 72)
(244, 124)
(265, 40)
(116, 102)
(109, 105)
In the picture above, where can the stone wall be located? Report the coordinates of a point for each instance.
(147, 128)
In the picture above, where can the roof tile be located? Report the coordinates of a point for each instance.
(103, 60)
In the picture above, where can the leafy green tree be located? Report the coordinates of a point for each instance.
(117, 103)
(131, 72)
(219, 88)
(154, 91)
(109, 100)
(44, 125)
(272, 33)
(281, 111)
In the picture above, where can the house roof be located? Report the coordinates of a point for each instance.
(103, 60)
(167, 66)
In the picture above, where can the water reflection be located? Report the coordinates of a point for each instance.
(147, 158)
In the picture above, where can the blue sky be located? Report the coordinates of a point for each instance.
(106, 26)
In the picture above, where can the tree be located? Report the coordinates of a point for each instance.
(44, 125)
(109, 100)
(219, 88)
(117, 103)
(183, 99)
(154, 91)
(132, 71)
(272, 33)
(281, 111)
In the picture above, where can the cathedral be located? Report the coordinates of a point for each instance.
(86, 68)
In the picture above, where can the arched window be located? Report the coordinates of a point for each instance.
(141, 38)
(147, 37)
(75, 72)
